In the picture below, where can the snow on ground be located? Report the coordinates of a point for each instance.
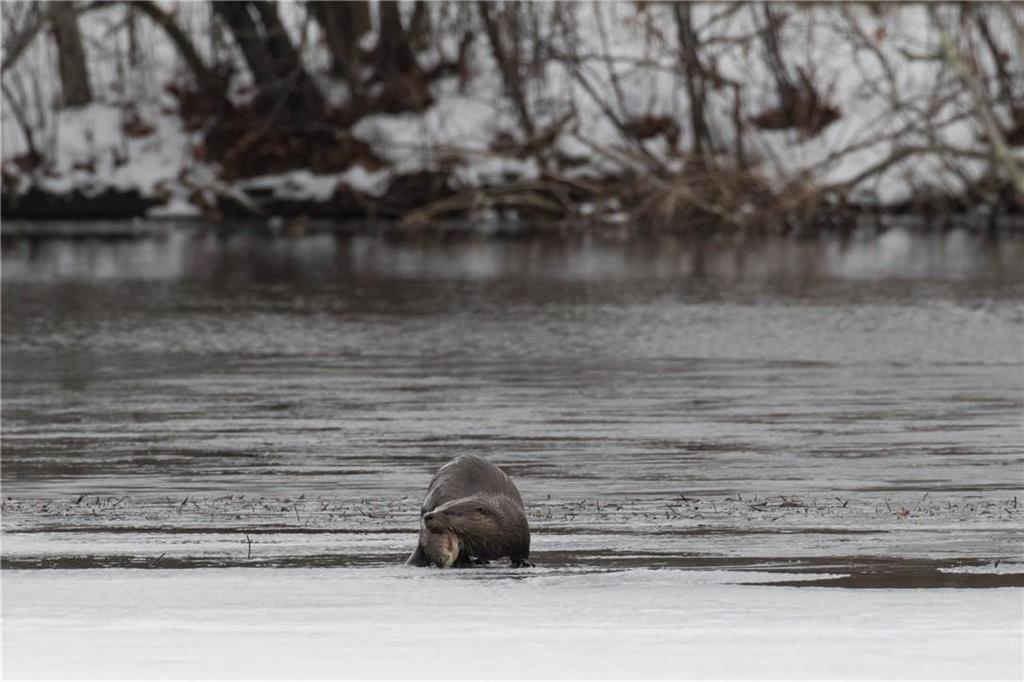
(493, 623)
(92, 153)
(863, 59)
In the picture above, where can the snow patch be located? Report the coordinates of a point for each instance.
(302, 623)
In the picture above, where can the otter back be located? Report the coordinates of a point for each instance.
(464, 476)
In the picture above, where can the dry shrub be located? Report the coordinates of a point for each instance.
(401, 93)
(802, 108)
(195, 107)
(251, 143)
(650, 126)
(706, 197)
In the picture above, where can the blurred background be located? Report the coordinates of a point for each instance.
(746, 117)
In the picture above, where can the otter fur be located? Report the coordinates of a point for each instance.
(472, 513)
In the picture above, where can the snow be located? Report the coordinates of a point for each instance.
(454, 121)
(297, 184)
(176, 207)
(373, 183)
(493, 623)
(464, 120)
(496, 170)
(999, 568)
(91, 153)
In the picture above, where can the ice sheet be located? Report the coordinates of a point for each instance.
(493, 623)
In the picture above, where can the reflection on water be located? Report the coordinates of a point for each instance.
(188, 254)
(867, 370)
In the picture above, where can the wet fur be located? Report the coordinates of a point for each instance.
(480, 505)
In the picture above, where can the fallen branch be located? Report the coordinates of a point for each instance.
(517, 195)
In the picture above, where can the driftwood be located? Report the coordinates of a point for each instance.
(543, 197)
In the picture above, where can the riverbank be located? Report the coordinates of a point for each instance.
(737, 120)
(59, 216)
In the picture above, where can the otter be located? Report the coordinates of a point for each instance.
(472, 513)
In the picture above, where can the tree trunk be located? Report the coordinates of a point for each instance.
(343, 24)
(508, 65)
(696, 85)
(419, 26)
(206, 79)
(284, 58)
(784, 85)
(275, 63)
(394, 55)
(74, 71)
(246, 34)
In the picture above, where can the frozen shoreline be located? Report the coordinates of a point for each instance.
(494, 622)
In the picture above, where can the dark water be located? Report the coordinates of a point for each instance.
(674, 402)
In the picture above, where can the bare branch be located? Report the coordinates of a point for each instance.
(1000, 151)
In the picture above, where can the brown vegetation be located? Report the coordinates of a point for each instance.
(699, 167)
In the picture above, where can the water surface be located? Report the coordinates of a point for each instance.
(198, 397)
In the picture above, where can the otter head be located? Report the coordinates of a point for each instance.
(442, 546)
(469, 524)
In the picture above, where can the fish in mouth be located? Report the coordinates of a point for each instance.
(444, 546)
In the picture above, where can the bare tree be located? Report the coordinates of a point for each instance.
(800, 105)
(343, 24)
(1002, 158)
(74, 69)
(499, 22)
(22, 22)
(1011, 93)
(394, 53)
(275, 63)
(207, 80)
(696, 84)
